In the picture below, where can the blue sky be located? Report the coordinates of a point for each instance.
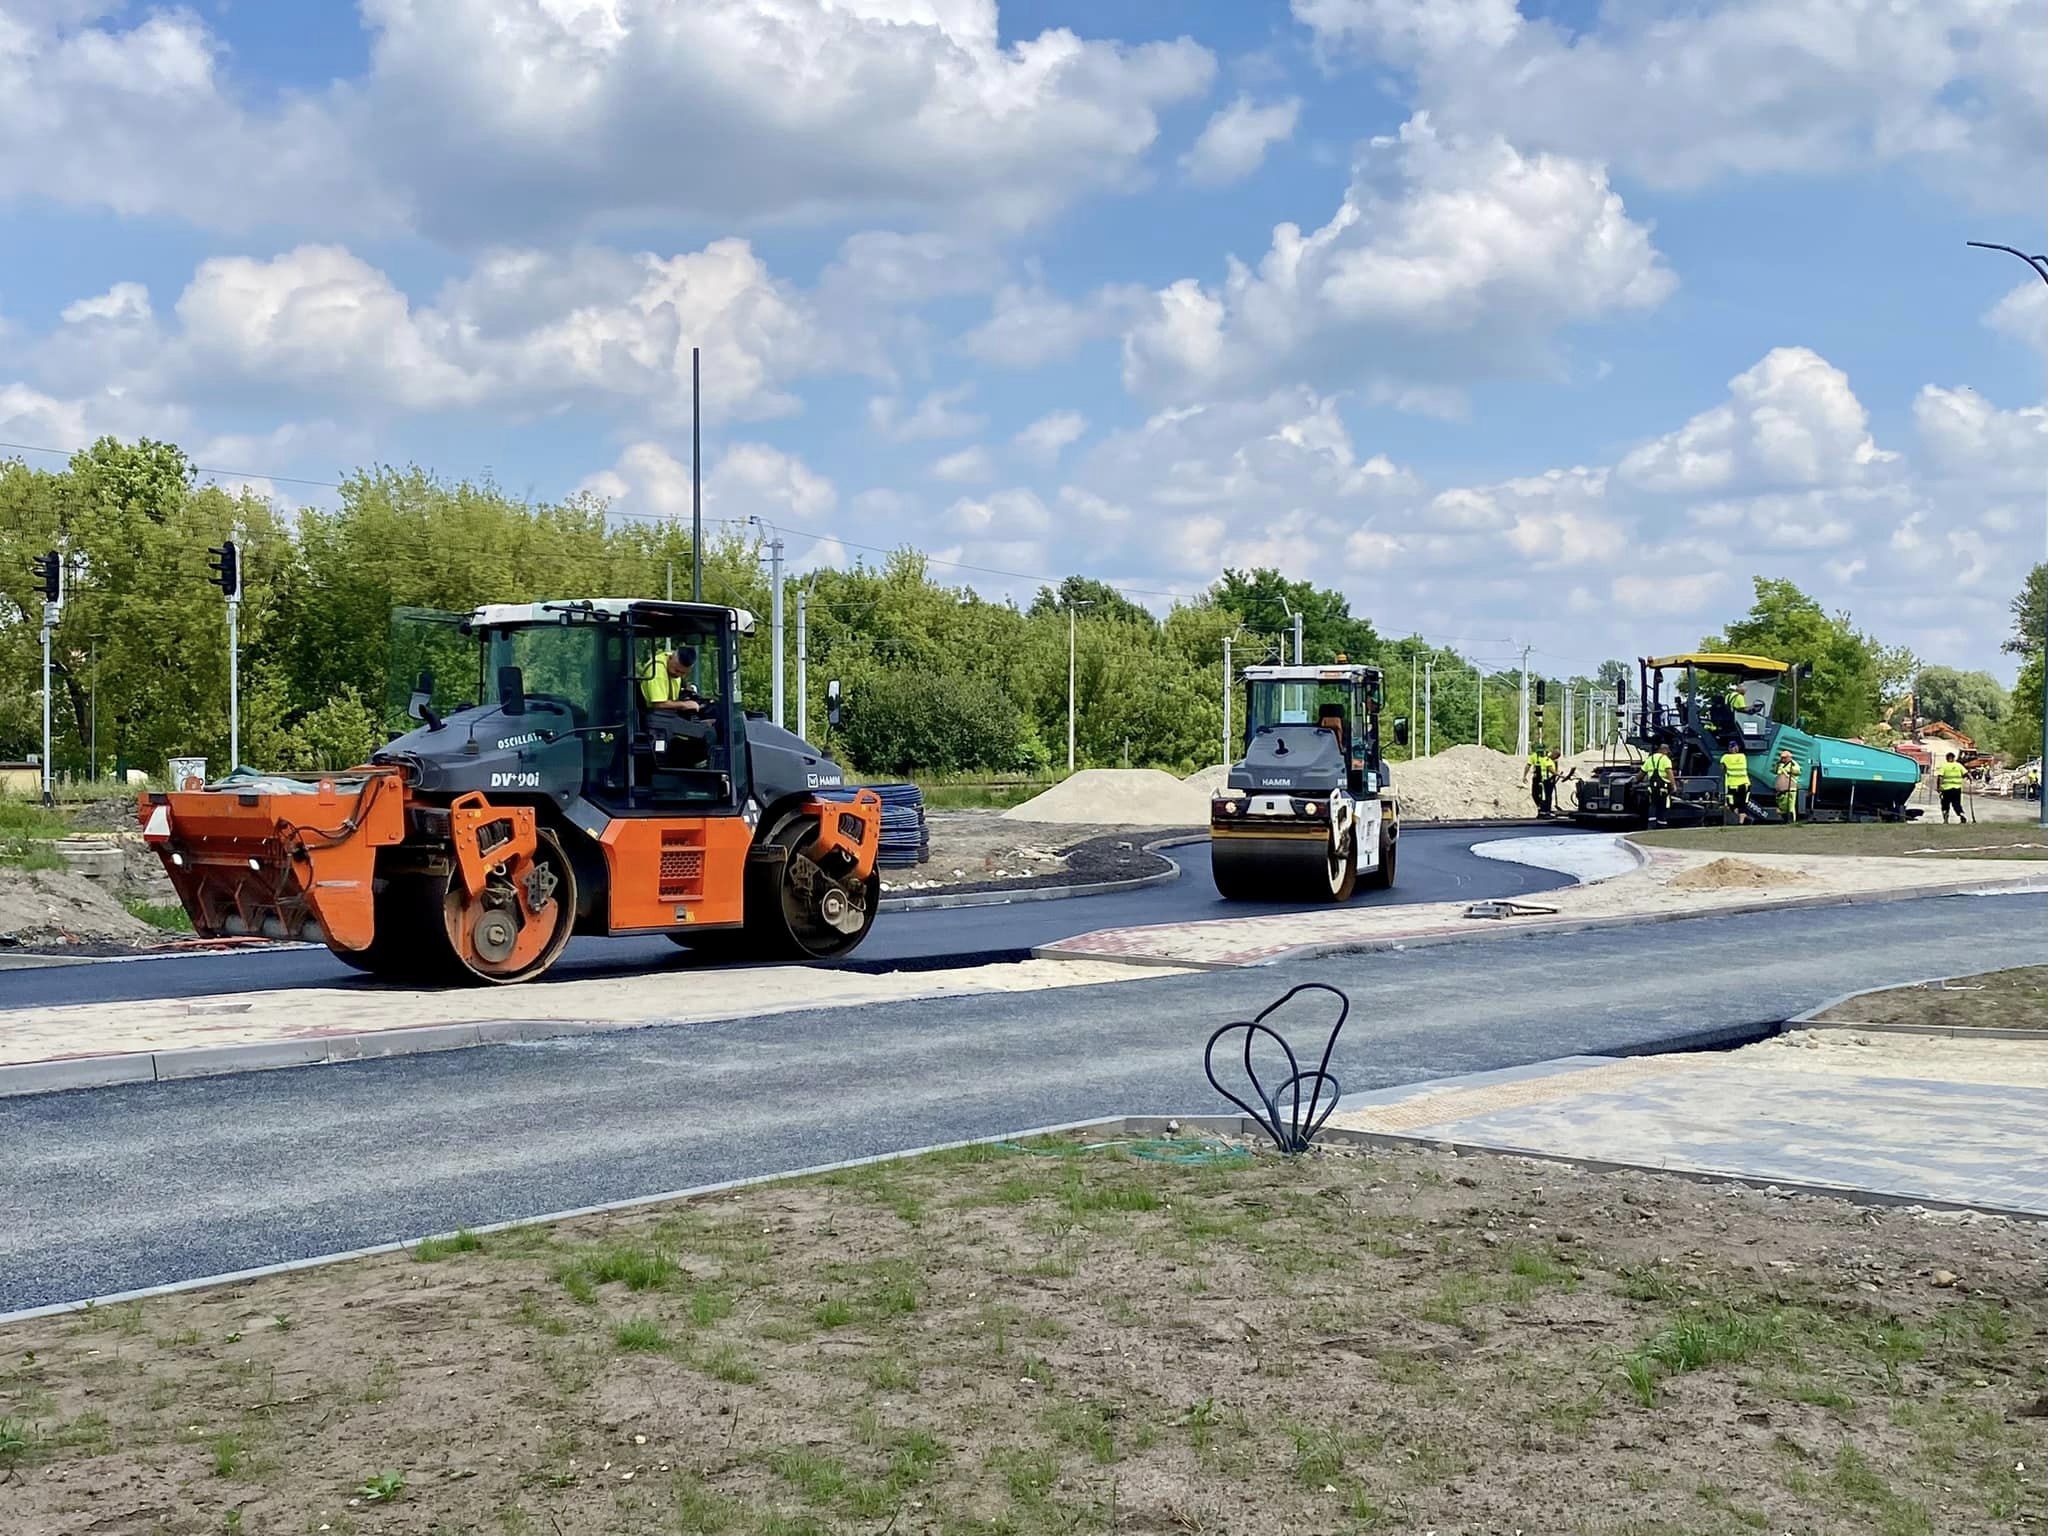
(1552, 324)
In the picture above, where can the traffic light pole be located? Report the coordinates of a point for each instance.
(234, 689)
(49, 623)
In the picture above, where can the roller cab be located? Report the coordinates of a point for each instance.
(1309, 811)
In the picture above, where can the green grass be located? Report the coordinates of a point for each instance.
(984, 795)
(638, 1267)
(26, 833)
(641, 1333)
(431, 1250)
(169, 916)
(1716, 1337)
(383, 1488)
(727, 1364)
(228, 1451)
(2010, 999)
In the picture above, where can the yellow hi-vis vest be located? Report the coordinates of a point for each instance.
(1657, 768)
(1734, 770)
(1950, 776)
(656, 686)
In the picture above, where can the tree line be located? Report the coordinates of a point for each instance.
(937, 679)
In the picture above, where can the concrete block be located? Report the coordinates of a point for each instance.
(78, 1072)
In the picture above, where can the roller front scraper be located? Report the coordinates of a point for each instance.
(1309, 813)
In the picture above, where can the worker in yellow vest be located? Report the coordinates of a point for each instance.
(1735, 781)
(1656, 774)
(1787, 785)
(1542, 779)
(1949, 778)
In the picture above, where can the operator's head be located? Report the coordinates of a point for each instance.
(682, 661)
(1951, 757)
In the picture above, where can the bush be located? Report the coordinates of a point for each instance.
(339, 734)
(909, 722)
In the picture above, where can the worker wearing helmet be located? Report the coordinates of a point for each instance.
(1788, 786)
(1949, 778)
(1735, 780)
(1656, 773)
(1737, 699)
(1542, 778)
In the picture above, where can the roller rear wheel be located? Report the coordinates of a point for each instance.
(517, 927)
(1284, 869)
(796, 910)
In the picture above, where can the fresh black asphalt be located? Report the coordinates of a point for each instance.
(118, 1188)
(1435, 865)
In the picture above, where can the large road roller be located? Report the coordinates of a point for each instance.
(1309, 812)
(579, 766)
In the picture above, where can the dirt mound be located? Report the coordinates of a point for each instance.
(1118, 797)
(1467, 783)
(55, 906)
(1209, 780)
(1733, 875)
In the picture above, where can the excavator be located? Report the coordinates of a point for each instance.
(1697, 707)
(597, 776)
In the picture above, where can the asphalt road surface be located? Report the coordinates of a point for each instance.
(1435, 865)
(116, 1188)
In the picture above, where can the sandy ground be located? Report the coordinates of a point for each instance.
(1670, 882)
(57, 906)
(660, 997)
(1848, 1052)
(1058, 1339)
(1118, 797)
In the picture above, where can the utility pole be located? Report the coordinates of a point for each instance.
(670, 590)
(1226, 701)
(1522, 726)
(1479, 674)
(1297, 639)
(696, 489)
(1564, 738)
(1414, 713)
(2039, 264)
(1428, 678)
(49, 570)
(1071, 609)
(802, 660)
(92, 712)
(774, 612)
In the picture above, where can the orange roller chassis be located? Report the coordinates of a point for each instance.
(282, 866)
(849, 827)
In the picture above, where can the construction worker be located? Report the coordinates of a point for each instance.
(665, 682)
(1735, 781)
(1656, 774)
(1788, 786)
(1949, 778)
(1738, 701)
(1542, 778)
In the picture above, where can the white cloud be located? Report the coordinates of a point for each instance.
(1449, 259)
(965, 467)
(1029, 327)
(122, 304)
(2023, 313)
(748, 480)
(1003, 517)
(1049, 436)
(1967, 435)
(1683, 95)
(1234, 142)
(488, 119)
(938, 414)
(1790, 420)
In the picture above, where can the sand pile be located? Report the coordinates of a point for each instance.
(1118, 797)
(1468, 783)
(55, 906)
(1209, 780)
(1732, 875)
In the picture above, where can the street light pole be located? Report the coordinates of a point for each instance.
(2039, 266)
(1072, 607)
(1226, 701)
(803, 656)
(774, 613)
(1428, 679)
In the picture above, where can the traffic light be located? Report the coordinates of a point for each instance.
(49, 570)
(1542, 692)
(226, 562)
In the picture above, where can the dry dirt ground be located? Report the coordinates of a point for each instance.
(2014, 999)
(1919, 839)
(1081, 1338)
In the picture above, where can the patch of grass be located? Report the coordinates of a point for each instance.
(431, 1250)
(19, 853)
(533, 1315)
(1455, 1294)
(1974, 840)
(832, 1312)
(890, 1373)
(699, 1511)
(384, 1488)
(228, 1451)
(709, 1306)
(636, 1266)
(169, 916)
(1085, 1426)
(18, 1440)
(727, 1364)
(819, 1478)
(1318, 1454)
(1855, 1479)
(641, 1334)
(1718, 1337)
(1029, 1475)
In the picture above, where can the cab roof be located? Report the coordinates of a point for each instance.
(549, 611)
(1337, 672)
(1723, 661)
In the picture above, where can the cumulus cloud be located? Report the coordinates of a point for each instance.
(1790, 420)
(1683, 95)
(2023, 313)
(489, 119)
(1448, 259)
(1029, 325)
(938, 414)
(1234, 142)
(1967, 435)
(748, 480)
(965, 467)
(1051, 435)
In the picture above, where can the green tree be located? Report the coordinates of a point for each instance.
(907, 722)
(1973, 702)
(1844, 694)
(1262, 600)
(1098, 598)
(2020, 736)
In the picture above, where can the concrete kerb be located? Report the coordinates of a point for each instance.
(1522, 928)
(1132, 1125)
